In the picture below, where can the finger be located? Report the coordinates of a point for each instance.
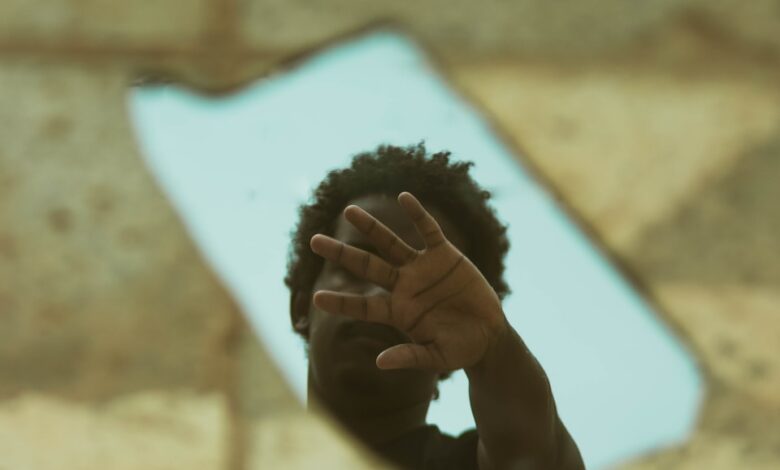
(388, 243)
(424, 222)
(373, 308)
(410, 356)
(359, 262)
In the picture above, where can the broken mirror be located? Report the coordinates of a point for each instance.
(237, 168)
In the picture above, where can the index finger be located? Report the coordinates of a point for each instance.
(359, 262)
(388, 243)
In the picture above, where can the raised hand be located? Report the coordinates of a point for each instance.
(435, 295)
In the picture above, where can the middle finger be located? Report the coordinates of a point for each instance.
(385, 240)
(359, 262)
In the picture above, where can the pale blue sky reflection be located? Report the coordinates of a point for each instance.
(237, 169)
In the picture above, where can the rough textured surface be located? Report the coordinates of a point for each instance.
(94, 260)
(525, 29)
(260, 390)
(279, 442)
(737, 214)
(150, 430)
(626, 149)
(731, 327)
(158, 23)
(735, 433)
(656, 123)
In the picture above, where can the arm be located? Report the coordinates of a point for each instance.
(514, 409)
(455, 321)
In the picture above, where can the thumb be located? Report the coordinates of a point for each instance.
(408, 356)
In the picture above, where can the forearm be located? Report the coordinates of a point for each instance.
(515, 411)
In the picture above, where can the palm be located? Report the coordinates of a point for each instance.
(436, 295)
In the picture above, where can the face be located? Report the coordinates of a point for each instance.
(342, 351)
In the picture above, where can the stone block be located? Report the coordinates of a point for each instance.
(150, 430)
(526, 29)
(101, 290)
(302, 440)
(623, 148)
(157, 23)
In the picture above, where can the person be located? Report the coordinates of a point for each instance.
(396, 280)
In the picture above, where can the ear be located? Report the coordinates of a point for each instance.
(299, 312)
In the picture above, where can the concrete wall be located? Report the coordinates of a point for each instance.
(657, 124)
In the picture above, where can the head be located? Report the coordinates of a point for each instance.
(339, 362)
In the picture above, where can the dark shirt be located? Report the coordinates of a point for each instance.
(428, 448)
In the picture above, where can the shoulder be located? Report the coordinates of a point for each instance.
(428, 448)
(444, 451)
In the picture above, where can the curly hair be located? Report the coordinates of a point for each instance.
(390, 170)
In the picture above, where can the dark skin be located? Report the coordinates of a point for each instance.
(395, 305)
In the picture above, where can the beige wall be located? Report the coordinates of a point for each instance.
(656, 123)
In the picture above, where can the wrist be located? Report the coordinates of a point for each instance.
(499, 340)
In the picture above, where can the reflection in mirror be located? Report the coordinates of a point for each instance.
(238, 168)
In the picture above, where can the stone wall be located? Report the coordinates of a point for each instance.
(656, 124)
